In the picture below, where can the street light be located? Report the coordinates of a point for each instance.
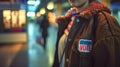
(42, 11)
(50, 6)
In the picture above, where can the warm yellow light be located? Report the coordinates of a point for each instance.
(50, 6)
(22, 17)
(16, 18)
(106, 2)
(38, 14)
(42, 11)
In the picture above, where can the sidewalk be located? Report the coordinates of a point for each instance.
(13, 55)
(30, 54)
(38, 57)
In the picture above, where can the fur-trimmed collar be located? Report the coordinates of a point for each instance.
(94, 8)
(90, 10)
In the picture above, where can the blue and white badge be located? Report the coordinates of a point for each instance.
(85, 45)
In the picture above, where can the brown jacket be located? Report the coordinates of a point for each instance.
(96, 24)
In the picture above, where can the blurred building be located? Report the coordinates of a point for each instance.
(13, 21)
(15, 14)
(115, 5)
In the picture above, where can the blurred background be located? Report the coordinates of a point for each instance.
(27, 42)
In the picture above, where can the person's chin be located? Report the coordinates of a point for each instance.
(74, 5)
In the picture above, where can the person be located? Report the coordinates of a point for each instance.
(88, 36)
(44, 25)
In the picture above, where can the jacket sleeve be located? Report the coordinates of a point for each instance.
(107, 47)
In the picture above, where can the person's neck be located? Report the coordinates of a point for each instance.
(81, 7)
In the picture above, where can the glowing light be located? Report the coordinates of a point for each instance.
(30, 14)
(42, 11)
(33, 2)
(119, 16)
(38, 14)
(50, 6)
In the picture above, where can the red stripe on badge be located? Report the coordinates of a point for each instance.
(85, 45)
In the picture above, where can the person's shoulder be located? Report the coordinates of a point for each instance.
(105, 15)
(102, 13)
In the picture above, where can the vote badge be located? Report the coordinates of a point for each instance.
(85, 45)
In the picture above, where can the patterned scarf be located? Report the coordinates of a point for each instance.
(67, 30)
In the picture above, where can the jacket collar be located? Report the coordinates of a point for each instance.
(92, 9)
